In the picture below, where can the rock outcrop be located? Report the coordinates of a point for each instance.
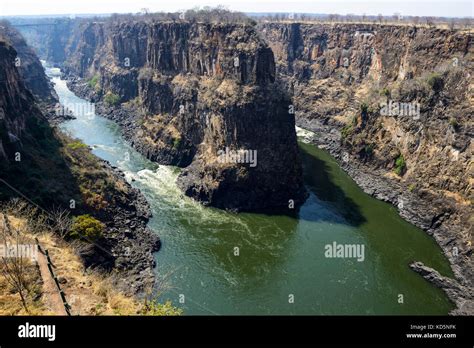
(188, 94)
(460, 294)
(17, 107)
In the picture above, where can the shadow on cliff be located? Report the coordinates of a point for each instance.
(42, 175)
(50, 178)
(318, 181)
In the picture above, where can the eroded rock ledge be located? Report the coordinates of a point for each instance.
(461, 294)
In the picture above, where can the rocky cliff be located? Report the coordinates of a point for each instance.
(200, 96)
(394, 104)
(29, 66)
(16, 104)
(43, 166)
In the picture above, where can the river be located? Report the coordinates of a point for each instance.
(225, 263)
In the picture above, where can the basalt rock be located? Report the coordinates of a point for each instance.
(185, 93)
(460, 294)
(393, 104)
(29, 66)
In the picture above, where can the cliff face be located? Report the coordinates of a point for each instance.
(191, 92)
(30, 68)
(344, 75)
(16, 104)
(51, 170)
(394, 104)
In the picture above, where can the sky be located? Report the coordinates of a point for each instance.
(438, 8)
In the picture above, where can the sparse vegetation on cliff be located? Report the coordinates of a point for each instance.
(436, 82)
(75, 145)
(111, 99)
(86, 226)
(453, 123)
(400, 165)
(93, 81)
(154, 308)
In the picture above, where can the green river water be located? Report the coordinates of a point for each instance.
(281, 267)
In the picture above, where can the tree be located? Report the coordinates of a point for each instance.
(62, 222)
(436, 82)
(452, 24)
(467, 22)
(13, 267)
(397, 16)
(429, 22)
(87, 227)
(380, 18)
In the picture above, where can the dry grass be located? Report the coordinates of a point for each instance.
(88, 293)
(10, 302)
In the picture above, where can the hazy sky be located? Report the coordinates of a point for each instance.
(447, 8)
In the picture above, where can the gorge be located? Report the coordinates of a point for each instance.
(180, 92)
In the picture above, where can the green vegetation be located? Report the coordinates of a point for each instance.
(411, 187)
(364, 107)
(156, 308)
(453, 123)
(347, 130)
(86, 226)
(400, 165)
(435, 81)
(176, 143)
(93, 81)
(385, 92)
(369, 149)
(76, 145)
(111, 99)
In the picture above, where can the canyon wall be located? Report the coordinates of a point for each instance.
(17, 107)
(186, 94)
(41, 165)
(29, 66)
(394, 104)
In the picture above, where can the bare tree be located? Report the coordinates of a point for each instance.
(380, 18)
(62, 221)
(13, 267)
(430, 21)
(452, 24)
(467, 22)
